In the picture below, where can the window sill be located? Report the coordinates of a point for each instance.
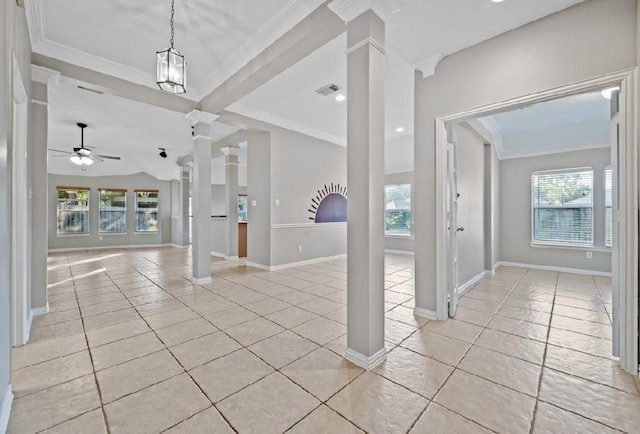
(71, 235)
(400, 236)
(580, 247)
(100, 234)
(146, 232)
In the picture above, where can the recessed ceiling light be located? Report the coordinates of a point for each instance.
(340, 97)
(497, 1)
(607, 92)
(400, 130)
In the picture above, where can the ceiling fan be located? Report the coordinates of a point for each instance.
(83, 156)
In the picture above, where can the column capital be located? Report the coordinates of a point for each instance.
(43, 75)
(230, 150)
(347, 10)
(200, 117)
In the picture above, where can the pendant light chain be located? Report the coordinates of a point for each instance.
(172, 12)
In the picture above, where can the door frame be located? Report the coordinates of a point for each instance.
(20, 213)
(628, 181)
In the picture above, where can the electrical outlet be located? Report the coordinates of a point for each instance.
(277, 202)
(299, 249)
(589, 255)
(254, 202)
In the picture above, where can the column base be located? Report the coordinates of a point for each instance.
(424, 313)
(201, 280)
(363, 361)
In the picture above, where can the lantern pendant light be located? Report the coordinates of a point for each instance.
(171, 67)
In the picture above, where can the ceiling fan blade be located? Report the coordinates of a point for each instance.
(97, 157)
(108, 157)
(58, 156)
(64, 152)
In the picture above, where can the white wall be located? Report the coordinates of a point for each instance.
(96, 239)
(515, 210)
(588, 40)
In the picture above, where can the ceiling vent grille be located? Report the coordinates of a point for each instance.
(328, 89)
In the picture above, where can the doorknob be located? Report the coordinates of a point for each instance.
(460, 229)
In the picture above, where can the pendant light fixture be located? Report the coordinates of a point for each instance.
(170, 67)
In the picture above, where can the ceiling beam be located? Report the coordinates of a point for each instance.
(115, 86)
(314, 31)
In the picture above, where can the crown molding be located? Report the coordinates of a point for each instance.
(198, 116)
(428, 66)
(294, 12)
(35, 21)
(269, 118)
(43, 75)
(347, 10)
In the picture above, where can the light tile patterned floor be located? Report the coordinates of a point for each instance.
(132, 346)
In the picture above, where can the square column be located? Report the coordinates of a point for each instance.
(231, 199)
(201, 195)
(365, 179)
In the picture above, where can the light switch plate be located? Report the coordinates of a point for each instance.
(254, 202)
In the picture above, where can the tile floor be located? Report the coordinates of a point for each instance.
(132, 346)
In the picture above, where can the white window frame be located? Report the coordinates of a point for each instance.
(389, 234)
(534, 242)
(100, 231)
(73, 234)
(135, 211)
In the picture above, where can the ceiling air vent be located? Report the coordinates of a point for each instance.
(328, 89)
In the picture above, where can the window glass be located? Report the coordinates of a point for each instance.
(73, 210)
(397, 209)
(562, 203)
(113, 211)
(146, 211)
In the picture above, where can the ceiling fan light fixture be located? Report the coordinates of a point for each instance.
(171, 73)
(81, 160)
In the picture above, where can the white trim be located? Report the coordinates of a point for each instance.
(224, 256)
(5, 411)
(469, 283)
(348, 10)
(177, 246)
(307, 225)
(400, 252)
(291, 15)
(553, 268)
(428, 66)
(399, 237)
(295, 264)
(43, 75)
(132, 246)
(368, 41)
(38, 311)
(37, 101)
(542, 245)
(287, 124)
(198, 116)
(201, 280)
(363, 361)
(424, 313)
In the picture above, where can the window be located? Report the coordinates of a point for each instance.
(608, 220)
(146, 210)
(397, 209)
(242, 208)
(562, 204)
(113, 211)
(73, 210)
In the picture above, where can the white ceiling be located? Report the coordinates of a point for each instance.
(119, 127)
(562, 125)
(218, 37)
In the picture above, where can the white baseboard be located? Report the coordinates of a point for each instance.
(223, 256)
(424, 313)
(202, 280)
(475, 279)
(400, 252)
(178, 246)
(295, 264)
(131, 246)
(5, 411)
(553, 268)
(27, 326)
(363, 361)
(40, 311)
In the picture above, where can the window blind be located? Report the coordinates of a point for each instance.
(398, 209)
(562, 206)
(608, 216)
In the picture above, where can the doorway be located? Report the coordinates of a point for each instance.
(623, 204)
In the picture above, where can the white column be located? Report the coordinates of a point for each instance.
(231, 199)
(42, 78)
(201, 195)
(365, 178)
